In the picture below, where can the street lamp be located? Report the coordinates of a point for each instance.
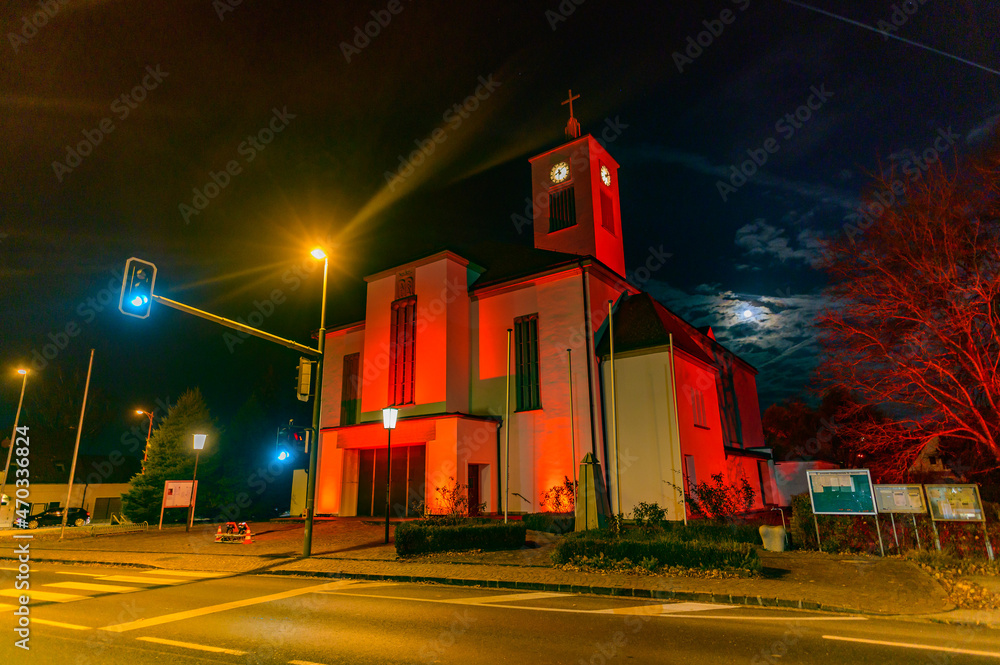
(145, 451)
(319, 255)
(13, 435)
(199, 443)
(389, 423)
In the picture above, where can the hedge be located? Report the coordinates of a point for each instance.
(713, 531)
(665, 549)
(550, 522)
(423, 536)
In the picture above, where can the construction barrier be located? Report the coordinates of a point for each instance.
(234, 533)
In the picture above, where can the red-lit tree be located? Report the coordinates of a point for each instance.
(914, 325)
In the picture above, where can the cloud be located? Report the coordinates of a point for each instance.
(779, 337)
(759, 239)
(984, 131)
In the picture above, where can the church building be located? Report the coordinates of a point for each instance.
(443, 333)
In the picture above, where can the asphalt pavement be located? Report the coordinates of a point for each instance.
(106, 614)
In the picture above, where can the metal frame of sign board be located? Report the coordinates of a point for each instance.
(911, 512)
(810, 474)
(979, 504)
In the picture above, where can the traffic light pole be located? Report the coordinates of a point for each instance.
(235, 325)
(314, 444)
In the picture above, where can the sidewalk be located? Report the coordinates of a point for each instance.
(355, 548)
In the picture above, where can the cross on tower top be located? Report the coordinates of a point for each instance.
(573, 125)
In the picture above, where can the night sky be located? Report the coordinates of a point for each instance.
(312, 117)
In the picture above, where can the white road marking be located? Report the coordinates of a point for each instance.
(189, 645)
(907, 645)
(59, 624)
(302, 662)
(508, 597)
(222, 607)
(730, 617)
(142, 580)
(181, 573)
(63, 572)
(666, 608)
(34, 594)
(88, 586)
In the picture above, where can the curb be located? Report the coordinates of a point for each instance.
(623, 592)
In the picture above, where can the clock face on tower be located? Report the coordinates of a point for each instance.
(605, 176)
(559, 172)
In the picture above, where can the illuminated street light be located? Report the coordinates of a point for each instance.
(13, 435)
(319, 255)
(389, 415)
(199, 443)
(145, 451)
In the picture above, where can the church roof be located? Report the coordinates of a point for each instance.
(641, 323)
(505, 261)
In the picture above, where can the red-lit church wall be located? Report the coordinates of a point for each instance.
(745, 384)
(705, 444)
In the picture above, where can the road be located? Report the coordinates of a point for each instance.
(89, 614)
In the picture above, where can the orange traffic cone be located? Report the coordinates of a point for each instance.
(248, 539)
(218, 534)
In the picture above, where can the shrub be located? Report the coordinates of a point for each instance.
(663, 549)
(716, 532)
(550, 522)
(719, 500)
(560, 498)
(649, 515)
(454, 501)
(433, 536)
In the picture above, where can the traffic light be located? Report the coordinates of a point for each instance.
(304, 380)
(283, 444)
(137, 288)
(291, 442)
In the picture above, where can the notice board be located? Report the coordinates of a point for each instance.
(900, 499)
(955, 503)
(177, 493)
(841, 492)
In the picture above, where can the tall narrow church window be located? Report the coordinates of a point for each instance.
(607, 212)
(698, 408)
(350, 404)
(526, 362)
(402, 347)
(562, 209)
(690, 478)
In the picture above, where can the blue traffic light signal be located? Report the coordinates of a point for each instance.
(137, 288)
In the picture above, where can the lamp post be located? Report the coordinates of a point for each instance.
(145, 451)
(389, 423)
(317, 254)
(199, 443)
(13, 435)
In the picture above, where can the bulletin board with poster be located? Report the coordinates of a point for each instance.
(955, 503)
(900, 499)
(841, 492)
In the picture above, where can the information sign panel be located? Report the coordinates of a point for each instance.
(955, 503)
(177, 494)
(841, 492)
(900, 499)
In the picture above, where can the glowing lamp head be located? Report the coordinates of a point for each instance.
(389, 417)
(139, 412)
(22, 371)
(318, 254)
(199, 441)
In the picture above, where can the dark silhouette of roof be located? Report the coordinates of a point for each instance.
(641, 323)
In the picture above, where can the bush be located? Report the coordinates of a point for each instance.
(649, 515)
(663, 549)
(715, 532)
(431, 536)
(719, 500)
(550, 522)
(560, 498)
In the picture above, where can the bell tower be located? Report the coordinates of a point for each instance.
(575, 190)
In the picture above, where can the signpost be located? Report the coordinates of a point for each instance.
(842, 492)
(178, 494)
(956, 503)
(894, 499)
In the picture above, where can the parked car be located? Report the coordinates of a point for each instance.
(76, 517)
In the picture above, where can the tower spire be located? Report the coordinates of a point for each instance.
(573, 125)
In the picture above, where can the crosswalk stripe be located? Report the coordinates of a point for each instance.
(86, 586)
(142, 580)
(4, 607)
(35, 594)
(182, 573)
(60, 624)
(189, 645)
